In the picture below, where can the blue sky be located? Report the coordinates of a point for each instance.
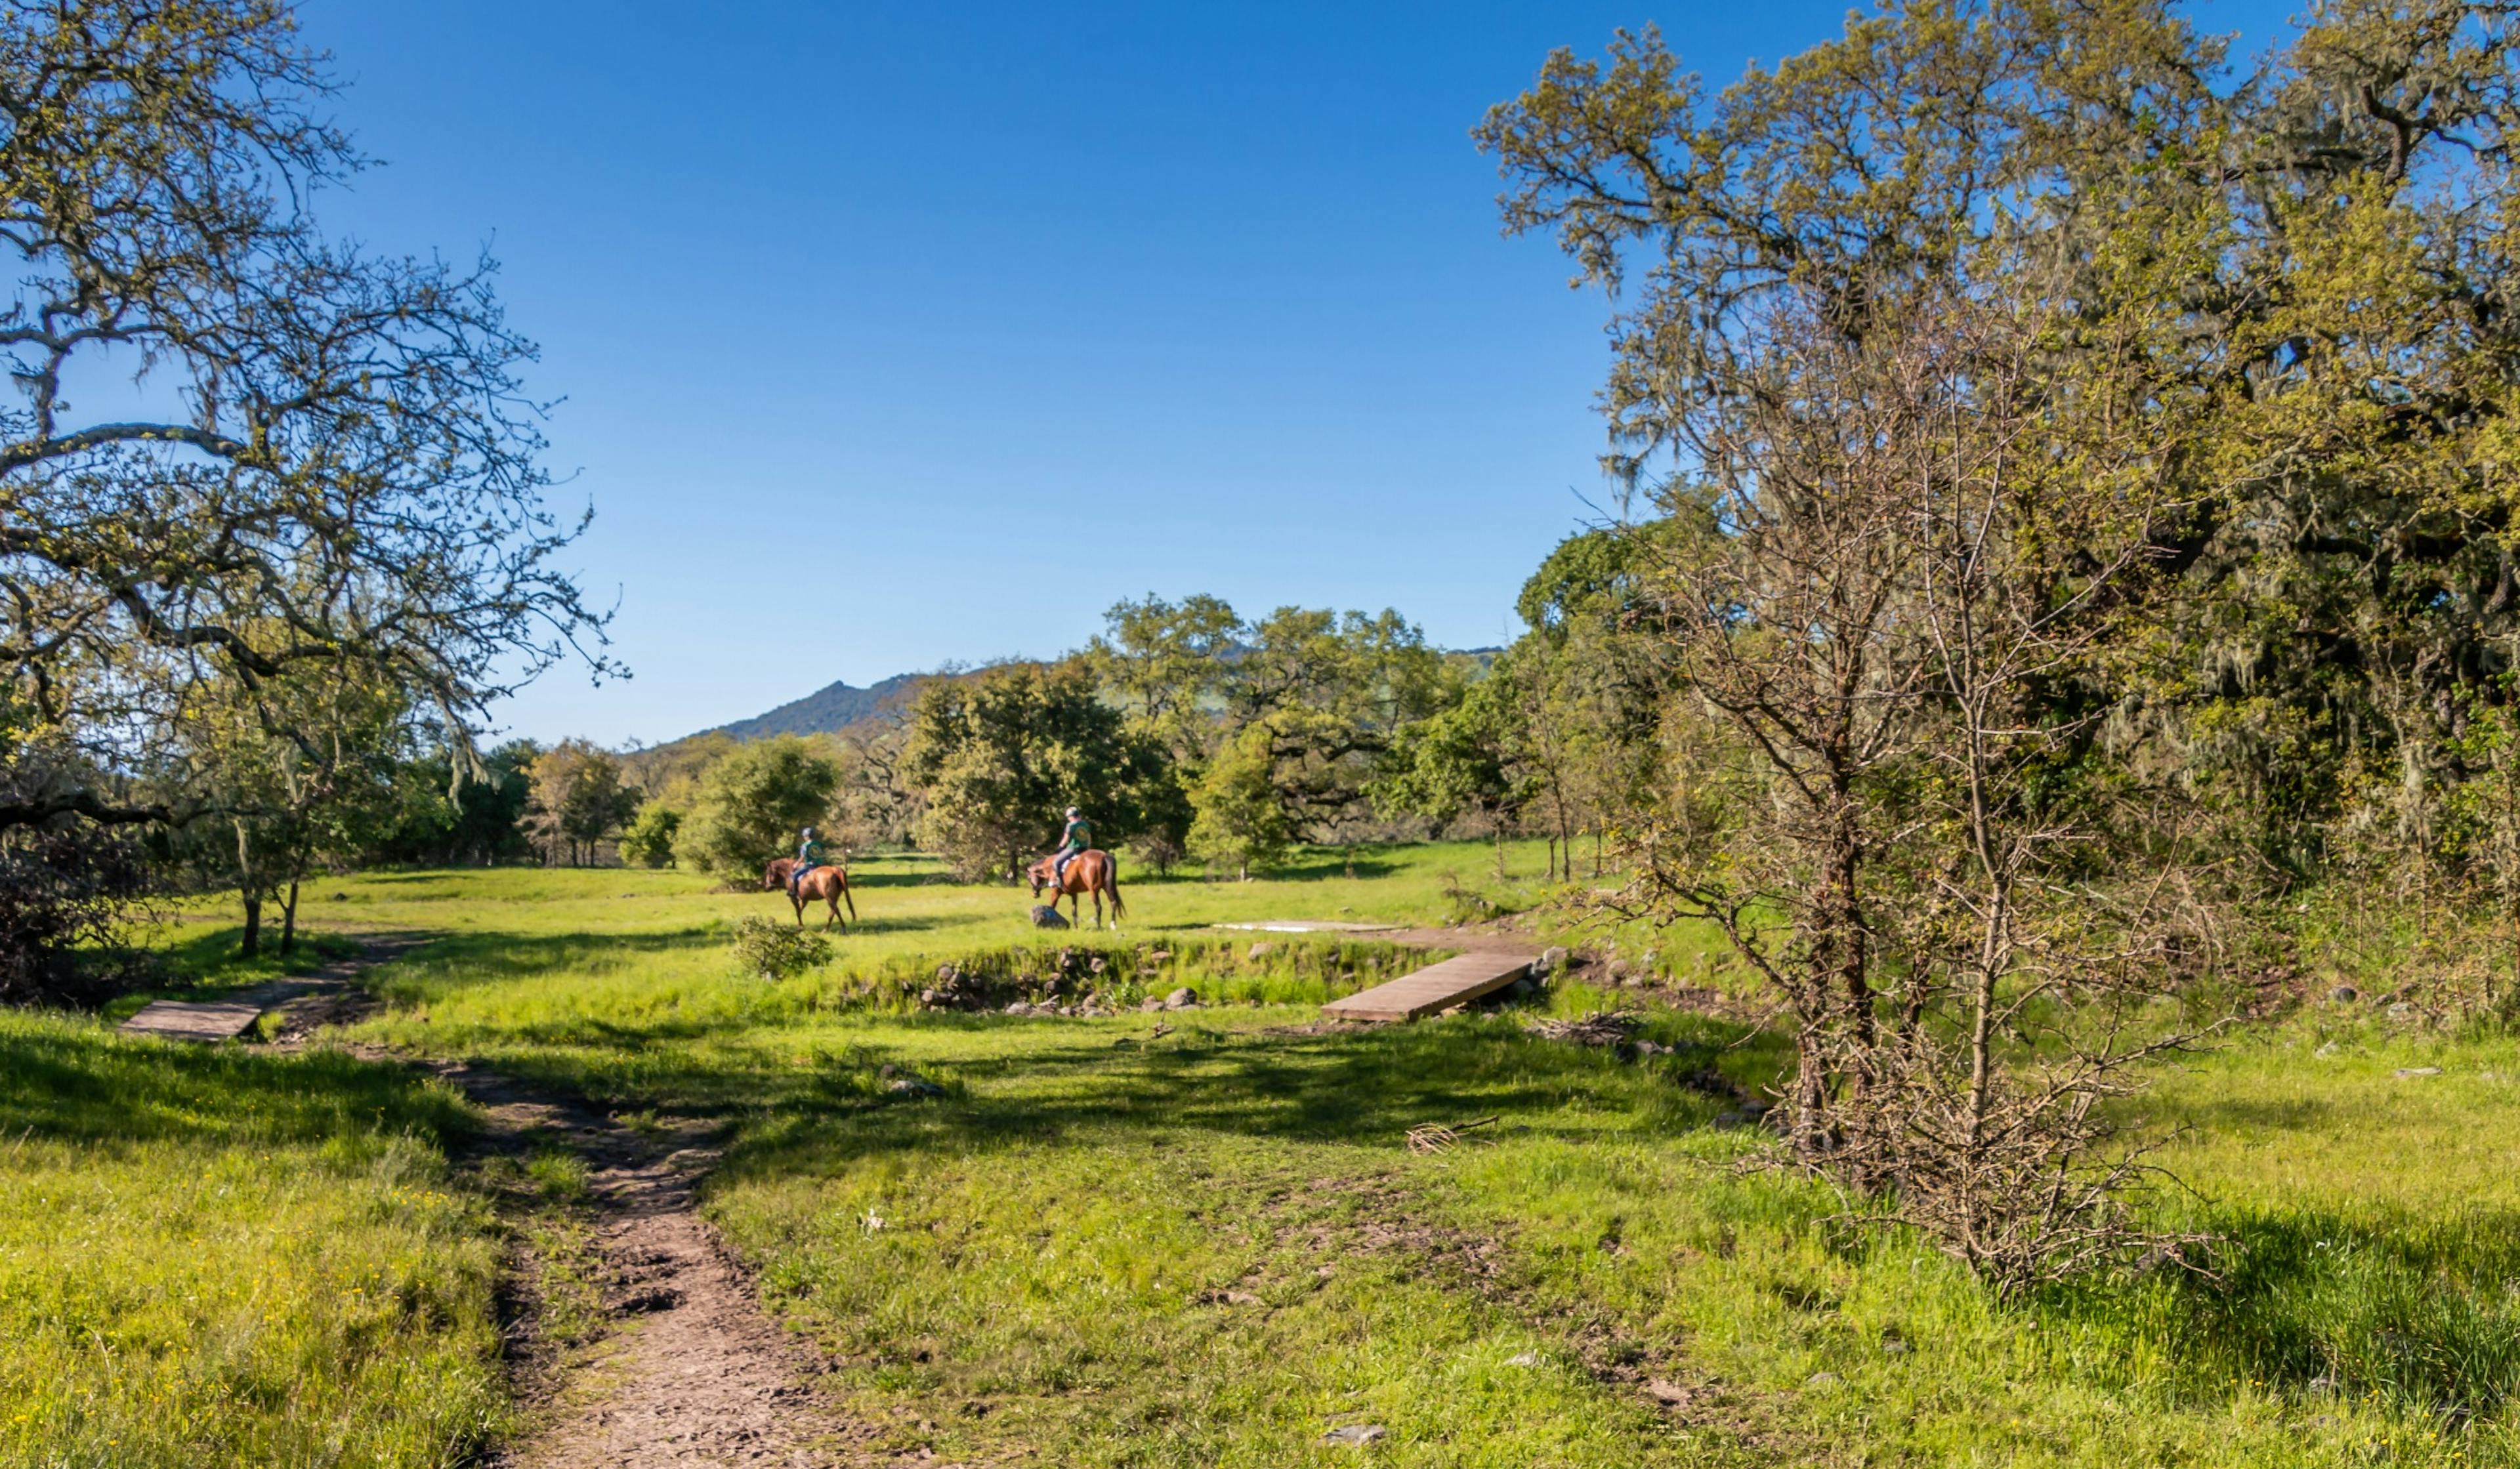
(896, 334)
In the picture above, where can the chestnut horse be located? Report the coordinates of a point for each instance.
(1091, 872)
(826, 882)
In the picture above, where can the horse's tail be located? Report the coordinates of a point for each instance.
(846, 898)
(1111, 884)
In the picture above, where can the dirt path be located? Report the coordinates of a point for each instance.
(688, 1370)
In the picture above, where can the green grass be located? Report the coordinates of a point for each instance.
(1107, 1246)
(213, 1256)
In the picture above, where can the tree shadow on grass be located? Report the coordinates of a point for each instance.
(1335, 1088)
(2415, 1310)
(84, 1084)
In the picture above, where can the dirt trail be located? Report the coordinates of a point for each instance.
(689, 1371)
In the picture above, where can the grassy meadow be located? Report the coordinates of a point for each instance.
(1102, 1245)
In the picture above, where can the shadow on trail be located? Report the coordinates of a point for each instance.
(87, 1084)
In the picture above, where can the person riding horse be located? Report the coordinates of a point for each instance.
(1072, 843)
(809, 855)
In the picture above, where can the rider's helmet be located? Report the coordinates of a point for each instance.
(809, 834)
(1072, 812)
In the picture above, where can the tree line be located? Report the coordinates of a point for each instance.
(1184, 731)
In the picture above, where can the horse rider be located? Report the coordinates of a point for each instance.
(809, 855)
(1072, 843)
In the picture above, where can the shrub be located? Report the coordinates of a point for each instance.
(752, 805)
(775, 951)
(62, 889)
(650, 840)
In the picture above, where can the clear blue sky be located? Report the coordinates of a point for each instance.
(897, 335)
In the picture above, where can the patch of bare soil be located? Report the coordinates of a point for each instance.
(685, 1369)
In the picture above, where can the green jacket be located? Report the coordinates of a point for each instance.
(809, 855)
(1078, 836)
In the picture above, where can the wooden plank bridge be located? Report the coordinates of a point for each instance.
(1436, 988)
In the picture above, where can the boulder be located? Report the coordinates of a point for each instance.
(1045, 916)
(2345, 994)
(1552, 960)
(1182, 998)
(1152, 1002)
(1260, 951)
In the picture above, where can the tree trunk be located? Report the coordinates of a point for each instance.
(1500, 836)
(289, 920)
(250, 892)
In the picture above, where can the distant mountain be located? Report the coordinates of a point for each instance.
(832, 707)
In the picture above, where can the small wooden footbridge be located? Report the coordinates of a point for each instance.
(1474, 975)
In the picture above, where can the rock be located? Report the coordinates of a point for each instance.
(1019, 1008)
(1152, 1002)
(913, 1086)
(1160, 956)
(1353, 1434)
(1894, 1349)
(2417, 1071)
(1523, 1360)
(2402, 1011)
(1261, 950)
(1045, 916)
(2345, 994)
(945, 974)
(1821, 1380)
(1668, 1393)
(1552, 960)
(1182, 998)
(2326, 1050)
(928, 999)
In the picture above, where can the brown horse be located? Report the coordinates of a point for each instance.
(828, 882)
(1092, 871)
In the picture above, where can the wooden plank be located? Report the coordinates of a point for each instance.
(215, 1019)
(193, 1020)
(1437, 987)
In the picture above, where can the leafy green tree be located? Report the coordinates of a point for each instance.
(578, 800)
(1000, 757)
(318, 782)
(648, 840)
(445, 820)
(1169, 662)
(1240, 818)
(1472, 758)
(750, 806)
